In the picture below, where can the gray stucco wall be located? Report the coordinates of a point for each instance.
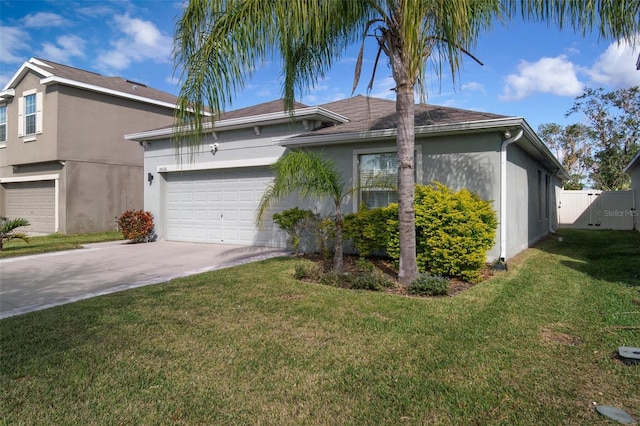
(469, 161)
(97, 193)
(527, 219)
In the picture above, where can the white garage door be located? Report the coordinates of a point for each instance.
(218, 207)
(34, 201)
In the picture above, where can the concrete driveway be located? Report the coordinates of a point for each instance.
(31, 283)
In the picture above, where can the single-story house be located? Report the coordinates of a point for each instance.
(210, 194)
(633, 168)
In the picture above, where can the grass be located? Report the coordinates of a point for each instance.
(251, 345)
(55, 242)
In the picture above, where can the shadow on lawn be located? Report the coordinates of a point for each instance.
(607, 255)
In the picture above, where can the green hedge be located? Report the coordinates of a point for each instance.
(454, 231)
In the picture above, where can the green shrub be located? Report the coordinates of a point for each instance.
(365, 265)
(375, 280)
(303, 271)
(325, 232)
(367, 229)
(294, 221)
(429, 285)
(137, 226)
(333, 279)
(454, 231)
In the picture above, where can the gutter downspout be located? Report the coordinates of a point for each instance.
(503, 192)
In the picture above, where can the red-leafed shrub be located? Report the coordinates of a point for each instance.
(137, 226)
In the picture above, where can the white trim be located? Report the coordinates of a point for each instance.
(6, 94)
(56, 192)
(58, 80)
(242, 122)
(29, 178)
(231, 164)
(503, 193)
(30, 65)
(467, 127)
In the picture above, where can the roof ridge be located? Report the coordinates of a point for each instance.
(47, 61)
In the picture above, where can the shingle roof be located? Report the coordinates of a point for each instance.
(264, 108)
(366, 113)
(118, 84)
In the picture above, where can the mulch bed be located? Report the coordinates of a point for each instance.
(386, 266)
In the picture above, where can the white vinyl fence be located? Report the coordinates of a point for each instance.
(590, 209)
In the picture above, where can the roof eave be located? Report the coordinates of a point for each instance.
(635, 162)
(8, 93)
(433, 130)
(309, 113)
(18, 75)
(59, 80)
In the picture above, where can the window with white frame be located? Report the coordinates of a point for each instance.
(377, 175)
(3, 123)
(30, 114)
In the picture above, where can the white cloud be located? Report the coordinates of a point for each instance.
(94, 11)
(66, 47)
(44, 20)
(140, 41)
(13, 41)
(384, 88)
(616, 67)
(473, 86)
(557, 76)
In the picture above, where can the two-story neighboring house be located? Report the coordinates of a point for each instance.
(64, 163)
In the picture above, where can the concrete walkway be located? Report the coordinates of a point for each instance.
(32, 283)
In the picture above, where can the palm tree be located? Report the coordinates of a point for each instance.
(7, 230)
(219, 43)
(311, 176)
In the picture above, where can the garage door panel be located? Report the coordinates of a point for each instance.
(34, 201)
(219, 206)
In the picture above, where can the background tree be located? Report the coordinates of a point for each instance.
(572, 146)
(613, 119)
(218, 44)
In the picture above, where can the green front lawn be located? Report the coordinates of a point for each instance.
(251, 345)
(55, 242)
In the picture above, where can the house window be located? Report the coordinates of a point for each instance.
(30, 114)
(547, 192)
(377, 175)
(3, 123)
(540, 196)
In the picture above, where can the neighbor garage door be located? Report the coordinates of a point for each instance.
(217, 206)
(34, 201)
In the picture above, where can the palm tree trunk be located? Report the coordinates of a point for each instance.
(405, 110)
(338, 258)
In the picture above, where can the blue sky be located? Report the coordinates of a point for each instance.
(530, 70)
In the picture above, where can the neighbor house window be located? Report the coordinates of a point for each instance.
(30, 114)
(377, 175)
(3, 123)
